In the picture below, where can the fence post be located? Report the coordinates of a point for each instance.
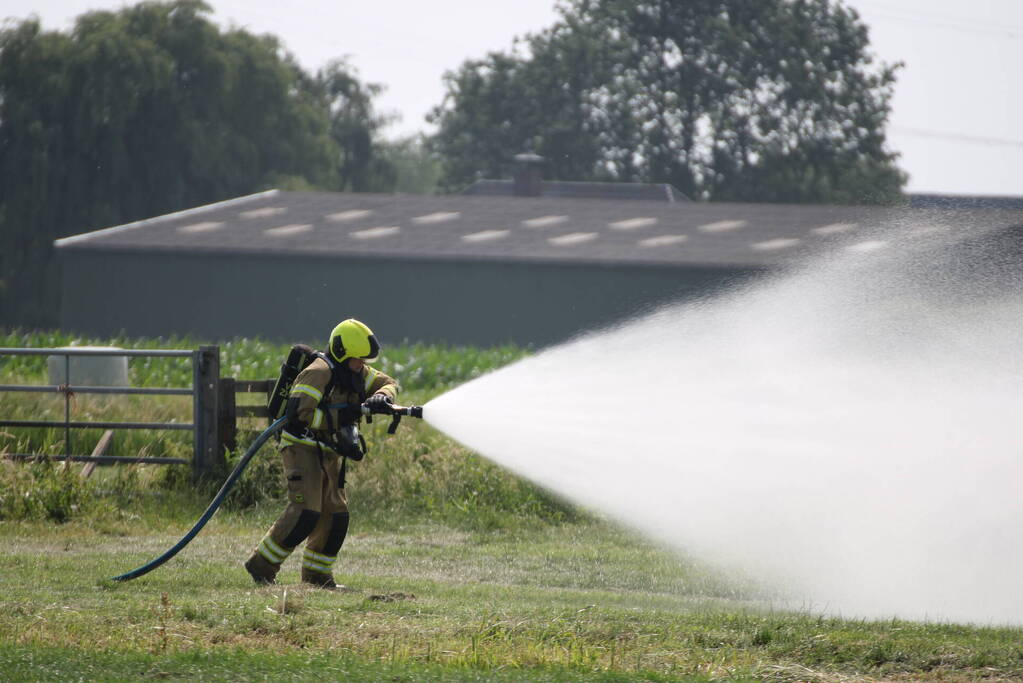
(206, 371)
(227, 416)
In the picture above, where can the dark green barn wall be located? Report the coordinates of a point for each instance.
(289, 298)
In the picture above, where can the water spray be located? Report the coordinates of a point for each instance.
(847, 432)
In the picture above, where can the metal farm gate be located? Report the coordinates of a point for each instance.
(208, 449)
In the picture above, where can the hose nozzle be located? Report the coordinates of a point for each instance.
(398, 411)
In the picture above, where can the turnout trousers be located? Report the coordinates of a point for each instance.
(317, 511)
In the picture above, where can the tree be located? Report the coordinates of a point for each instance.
(416, 169)
(753, 100)
(354, 125)
(148, 110)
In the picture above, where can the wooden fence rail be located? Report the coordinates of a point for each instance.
(229, 411)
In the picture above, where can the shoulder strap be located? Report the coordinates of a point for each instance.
(333, 381)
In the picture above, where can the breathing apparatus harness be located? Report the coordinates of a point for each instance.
(299, 357)
(344, 437)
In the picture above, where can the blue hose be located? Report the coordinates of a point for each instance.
(214, 504)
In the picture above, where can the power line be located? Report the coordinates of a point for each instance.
(957, 137)
(945, 21)
(957, 21)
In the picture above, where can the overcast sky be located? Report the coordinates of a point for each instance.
(956, 104)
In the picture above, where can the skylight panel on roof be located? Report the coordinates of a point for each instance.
(374, 233)
(544, 221)
(723, 226)
(662, 241)
(867, 246)
(632, 223)
(439, 217)
(288, 230)
(205, 226)
(833, 228)
(921, 230)
(265, 212)
(776, 244)
(486, 235)
(350, 215)
(572, 239)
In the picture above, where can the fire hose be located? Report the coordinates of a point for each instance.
(396, 411)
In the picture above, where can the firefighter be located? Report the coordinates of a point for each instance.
(320, 434)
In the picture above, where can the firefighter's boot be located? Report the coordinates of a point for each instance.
(261, 569)
(317, 570)
(319, 579)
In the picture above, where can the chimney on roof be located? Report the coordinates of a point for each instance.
(528, 175)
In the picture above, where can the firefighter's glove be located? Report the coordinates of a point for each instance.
(379, 403)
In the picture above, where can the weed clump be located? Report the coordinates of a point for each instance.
(262, 481)
(41, 490)
(420, 473)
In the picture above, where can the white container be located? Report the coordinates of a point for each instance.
(93, 371)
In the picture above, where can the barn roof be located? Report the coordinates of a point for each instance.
(558, 229)
(658, 192)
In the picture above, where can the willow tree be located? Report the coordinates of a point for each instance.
(151, 109)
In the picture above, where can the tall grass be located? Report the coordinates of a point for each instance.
(416, 473)
(40, 490)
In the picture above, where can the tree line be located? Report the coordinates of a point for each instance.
(153, 108)
(741, 100)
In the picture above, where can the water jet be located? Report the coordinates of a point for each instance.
(847, 430)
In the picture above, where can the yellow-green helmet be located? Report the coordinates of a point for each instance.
(352, 339)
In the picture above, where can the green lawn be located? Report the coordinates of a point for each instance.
(582, 601)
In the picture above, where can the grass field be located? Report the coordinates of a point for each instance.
(433, 602)
(458, 572)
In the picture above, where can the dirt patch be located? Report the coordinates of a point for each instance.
(392, 597)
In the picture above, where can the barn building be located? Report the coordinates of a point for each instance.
(484, 267)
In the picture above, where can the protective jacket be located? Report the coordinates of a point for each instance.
(315, 417)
